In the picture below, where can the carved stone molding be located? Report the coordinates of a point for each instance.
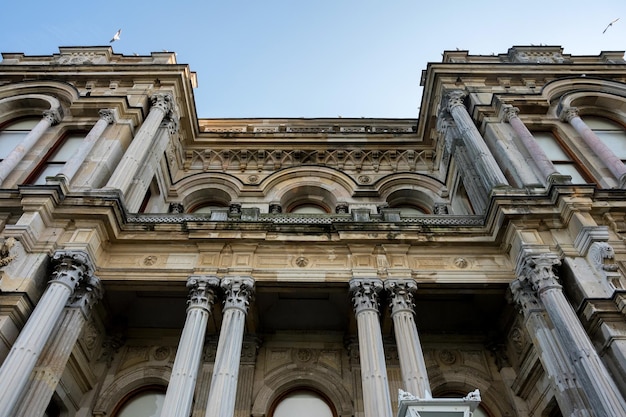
(365, 294)
(5, 251)
(238, 292)
(602, 257)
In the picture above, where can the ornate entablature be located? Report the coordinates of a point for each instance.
(346, 159)
(97, 55)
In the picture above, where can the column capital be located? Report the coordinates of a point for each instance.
(568, 113)
(163, 101)
(524, 297)
(455, 98)
(87, 294)
(202, 291)
(238, 292)
(538, 270)
(54, 115)
(108, 115)
(401, 292)
(509, 112)
(365, 293)
(71, 267)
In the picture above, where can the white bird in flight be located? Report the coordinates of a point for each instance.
(609, 25)
(116, 37)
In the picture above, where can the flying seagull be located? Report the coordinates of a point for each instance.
(609, 25)
(116, 37)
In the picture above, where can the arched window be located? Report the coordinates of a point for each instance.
(560, 157)
(302, 403)
(611, 133)
(13, 133)
(57, 157)
(308, 208)
(146, 403)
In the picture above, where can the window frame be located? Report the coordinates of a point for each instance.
(43, 162)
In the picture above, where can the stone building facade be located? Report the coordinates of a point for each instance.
(243, 267)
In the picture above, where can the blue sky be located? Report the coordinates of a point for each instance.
(298, 58)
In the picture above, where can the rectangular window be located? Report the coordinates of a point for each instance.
(611, 133)
(559, 156)
(57, 157)
(12, 134)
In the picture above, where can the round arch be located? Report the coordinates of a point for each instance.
(30, 98)
(289, 378)
(588, 95)
(128, 383)
(199, 189)
(315, 185)
(412, 189)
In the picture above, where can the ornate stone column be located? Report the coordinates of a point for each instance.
(412, 363)
(376, 398)
(568, 392)
(52, 363)
(600, 389)
(71, 267)
(474, 141)
(604, 153)
(540, 158)
(124, 174)
(238, 292)
(50, 117)
(179, 395)
(73, 164)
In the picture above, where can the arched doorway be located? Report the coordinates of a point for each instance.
(302, 403)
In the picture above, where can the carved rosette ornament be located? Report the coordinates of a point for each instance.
(238, 292)
(539, 271)
(401, 292)
(202, 291)
(71, 267)
(54, 116)
(365, 294)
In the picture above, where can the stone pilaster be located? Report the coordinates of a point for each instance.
(73, 164)
(568, 392)
(600, 389)
(604, 153)
(8, 164)
(179, 395)
(412, 364)
(124, 174)
(70, 269)
(55, 356)
(238, 292)
(474, 141)
(376, 398)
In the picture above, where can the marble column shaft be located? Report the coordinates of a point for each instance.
(474, 141)
(376, 398)
(140, 146)
(604, 153)
(545, 165)
(238, 293)
(179, 395)
(53, 360)
(8, 164)
(602, 392)
(73, 164)
(568, 391)
(71, 268)
(412, 364)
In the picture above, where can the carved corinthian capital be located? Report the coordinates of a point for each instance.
(108, 115)
(524, 297)
(238, 292)
(163, 101)
(54, 116)
(365, 294)
(202, 291)
(401, 294)
(568, 113)
(454, 99)
(71, 267)
(87, 294)
(538, 270)
(509, 112)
